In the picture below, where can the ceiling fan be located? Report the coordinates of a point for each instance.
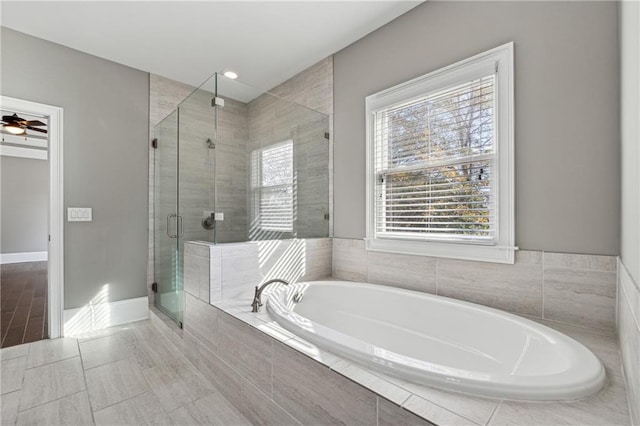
(18, 125)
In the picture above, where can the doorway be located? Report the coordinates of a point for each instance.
(31, 284)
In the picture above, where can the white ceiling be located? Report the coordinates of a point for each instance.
(265, 42)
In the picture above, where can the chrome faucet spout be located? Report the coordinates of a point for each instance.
(255, 305)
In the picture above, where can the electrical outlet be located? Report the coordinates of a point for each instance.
(79, 214)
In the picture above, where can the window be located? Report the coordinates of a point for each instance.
(440, 162)
(272, 187)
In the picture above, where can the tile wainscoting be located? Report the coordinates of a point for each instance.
(230, 271)
(629, 337)
(275, 377)
(569, 288)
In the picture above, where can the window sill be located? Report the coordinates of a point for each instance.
(479, 253)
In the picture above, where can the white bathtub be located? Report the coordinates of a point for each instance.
(439, 341)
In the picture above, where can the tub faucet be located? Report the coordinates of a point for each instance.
(256, 298)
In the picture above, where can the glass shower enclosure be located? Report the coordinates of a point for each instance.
(234, 163)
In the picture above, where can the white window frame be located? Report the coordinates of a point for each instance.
(500, 61)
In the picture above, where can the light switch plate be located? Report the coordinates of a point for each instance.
(79, 214)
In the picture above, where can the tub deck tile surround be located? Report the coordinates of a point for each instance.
(440, 406)
(578, 296)
(515, 288)
(572, 288)
(200, 321)
(629, 337)
(220, 374)
(475, 409)
(392, 415)
(349, 259)
(246, 350)
(410, 272)
(313, 393)
(436, 414)
(260, 409)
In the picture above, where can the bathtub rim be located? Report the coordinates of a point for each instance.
(359, 350)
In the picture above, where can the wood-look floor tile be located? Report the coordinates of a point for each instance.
(70, 410)
(51, 381)
(213, 409)
(51, 350)
(11, 374)
(102, 351)
(9, 404)
(115, 382)
(177, 384)
(143, 409)
(14, 352)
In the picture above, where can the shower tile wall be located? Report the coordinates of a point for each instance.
(312, 88)
(201, 165)
(272, 121)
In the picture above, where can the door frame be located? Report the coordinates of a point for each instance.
(55, 274)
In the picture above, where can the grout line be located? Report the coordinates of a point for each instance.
(543, 280)
(51, 362)
(404, 401)
(377, 410)
(437, 277)
(49, 402)
(26, 326)
(272, 358)
(493, 413)
(86, 385)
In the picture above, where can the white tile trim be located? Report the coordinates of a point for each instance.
(97, 316)
(32, 256)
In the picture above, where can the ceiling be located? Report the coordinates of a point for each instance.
(265, 42)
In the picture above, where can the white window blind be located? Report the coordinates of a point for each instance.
(434, 165)
(272, 186)
(440, 164)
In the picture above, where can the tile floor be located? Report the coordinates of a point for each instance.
(23, 312)
(128, 375)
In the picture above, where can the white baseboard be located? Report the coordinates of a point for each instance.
(33, 256)
(96, 316)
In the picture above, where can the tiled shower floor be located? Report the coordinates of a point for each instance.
(124, 375)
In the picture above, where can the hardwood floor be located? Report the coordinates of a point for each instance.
(23, 308)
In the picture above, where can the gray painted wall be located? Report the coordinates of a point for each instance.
(567, 110)
(24, 203)
(106, 116)
(630, 105)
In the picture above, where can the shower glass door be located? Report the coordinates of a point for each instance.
(167, 224)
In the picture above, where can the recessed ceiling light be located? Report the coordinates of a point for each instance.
(230, 74)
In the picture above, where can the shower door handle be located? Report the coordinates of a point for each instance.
(169, 216)
(180, 228)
